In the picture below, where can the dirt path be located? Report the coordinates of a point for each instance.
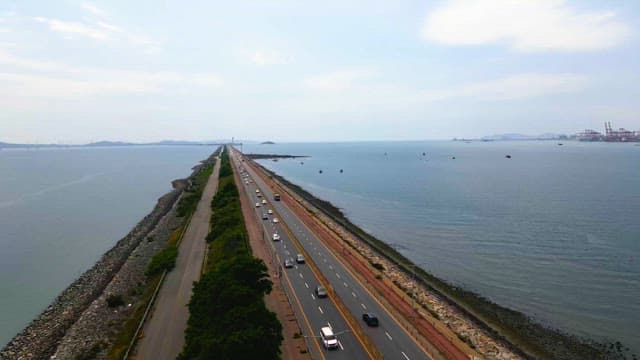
(163, 334)
(276, 301)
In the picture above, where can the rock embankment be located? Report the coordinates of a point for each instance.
(41, 337)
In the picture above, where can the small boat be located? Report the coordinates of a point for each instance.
(508, 156)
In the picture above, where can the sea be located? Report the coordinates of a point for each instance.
(62, 208)
(545, 228)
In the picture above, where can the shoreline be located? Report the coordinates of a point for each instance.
(43, 336)
(518, 332)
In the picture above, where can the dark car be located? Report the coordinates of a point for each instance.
(321, 292)
(370, 319)
(288, 263)
(265, 217)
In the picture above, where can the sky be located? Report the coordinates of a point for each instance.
(332, 70)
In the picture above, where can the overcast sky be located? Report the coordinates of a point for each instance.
(291, 70)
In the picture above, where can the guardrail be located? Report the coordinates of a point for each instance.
(134, 338)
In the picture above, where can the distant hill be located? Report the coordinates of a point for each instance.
(515, 136)
(107, 143)
(267, 143)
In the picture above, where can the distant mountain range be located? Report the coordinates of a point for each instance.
(503, 137)
(114, 143)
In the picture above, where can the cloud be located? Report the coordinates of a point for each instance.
(272, 57)
(75, 28)
(93, 9)
(518, 86)
(527, 26)
(100, 29)
(337, 80)
(45, 79)
(354, 90)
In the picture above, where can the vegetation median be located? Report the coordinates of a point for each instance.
(228, 317)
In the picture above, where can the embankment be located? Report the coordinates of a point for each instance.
(461, 310)
(119, 271)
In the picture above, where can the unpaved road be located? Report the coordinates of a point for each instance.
(163, 334)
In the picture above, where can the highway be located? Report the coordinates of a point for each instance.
(390, 338)
(316, 312)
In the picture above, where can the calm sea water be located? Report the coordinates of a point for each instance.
(553, 232)
(61, 209)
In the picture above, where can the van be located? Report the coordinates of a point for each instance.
(329, 340)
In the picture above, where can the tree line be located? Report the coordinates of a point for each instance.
(228, 318)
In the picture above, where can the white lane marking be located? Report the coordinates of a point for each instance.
(307, 285)
(328, 323)
(330, 267)
(389, 336)
(319, 308)
(313, 297)
(340, 344)
(354, 294)
(405, 355)
(302, 277)
(363, 306)
(325, 260)
(345, 284)
(338, 275)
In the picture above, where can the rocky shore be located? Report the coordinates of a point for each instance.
(79, 322)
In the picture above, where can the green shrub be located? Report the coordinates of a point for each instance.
(115, 301)
(164, 260)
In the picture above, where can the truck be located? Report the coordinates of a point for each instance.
(276, 197)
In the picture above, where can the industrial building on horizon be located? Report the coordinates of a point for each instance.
(620, 135)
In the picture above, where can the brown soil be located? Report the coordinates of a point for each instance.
(277, 300)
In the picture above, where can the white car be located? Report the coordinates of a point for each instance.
(270, 212)
(276, 237)
(257, 204)
(264, 202)
(275, 220)
(257, 191)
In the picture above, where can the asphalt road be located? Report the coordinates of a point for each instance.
(164, 331)
(317, 312)
(390, 338)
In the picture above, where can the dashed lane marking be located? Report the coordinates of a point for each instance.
(354, 294)
(405, 355)
(389, 336)
(340, 344)
(345, 284)
(319, 308)
(363, 306)
(307, 285)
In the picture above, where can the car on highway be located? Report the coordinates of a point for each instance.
(329, 339)
(300, 259)
(371, 319)
(321, 292)
(257, 204)
(257, 191)
(264, 202)
(259, 195)
(270, 212)
(265, 216)
(276, 237)
(275, 220)
(288, 263)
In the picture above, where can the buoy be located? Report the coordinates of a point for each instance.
(320, 171)
(423, 154)
(453, 157)
(341, 171)
(508, 156)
